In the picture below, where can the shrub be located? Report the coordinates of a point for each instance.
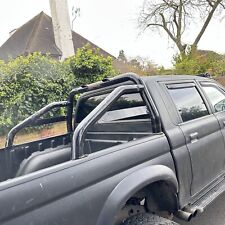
(28, 83)
(199, 62)
(89, 66)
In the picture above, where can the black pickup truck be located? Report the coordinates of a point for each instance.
(138, 151)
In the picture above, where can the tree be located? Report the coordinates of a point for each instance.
(143, 65)
(122, 56)
(28, 83)
(175, 16)
(89, 66)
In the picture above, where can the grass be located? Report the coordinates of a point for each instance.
(54, 130)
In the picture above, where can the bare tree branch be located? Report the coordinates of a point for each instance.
(180, 7)
(176, 16)
(154, 24)
(206, 23)
(210, 3)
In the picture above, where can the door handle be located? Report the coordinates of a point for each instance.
(193, 137)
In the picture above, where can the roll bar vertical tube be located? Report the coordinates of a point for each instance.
(70, 106)
(94, 115)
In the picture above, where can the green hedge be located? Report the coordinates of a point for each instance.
(28, 83)
(198, 62)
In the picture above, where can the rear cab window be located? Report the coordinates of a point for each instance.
(127, 107)
(128, 119)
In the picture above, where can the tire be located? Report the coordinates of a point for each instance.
(147, 219)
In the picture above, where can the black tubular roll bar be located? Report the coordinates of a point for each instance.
(134, 78)
(34, 120)
(105, 83)
(94, 115)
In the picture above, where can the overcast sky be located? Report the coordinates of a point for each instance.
(112, 25)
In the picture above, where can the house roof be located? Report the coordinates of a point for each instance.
(37, 36)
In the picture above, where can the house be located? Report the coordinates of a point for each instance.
(37, 35)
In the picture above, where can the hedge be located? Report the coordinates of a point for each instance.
(28, 83)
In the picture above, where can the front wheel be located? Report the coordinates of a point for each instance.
(147, 219)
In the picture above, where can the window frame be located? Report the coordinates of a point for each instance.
(181, 85)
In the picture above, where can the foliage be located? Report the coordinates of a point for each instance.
(88, 65)
(122, 57)
(163, 71)
(28, 83)
(198, 62)
(138, 64)
(143, 66)
(218, 67)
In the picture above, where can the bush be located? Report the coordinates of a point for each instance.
(28, 83)
(199, 62)
(89, 66)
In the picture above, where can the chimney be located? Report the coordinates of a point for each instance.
(61, 27)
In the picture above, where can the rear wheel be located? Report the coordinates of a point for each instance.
(147, 219)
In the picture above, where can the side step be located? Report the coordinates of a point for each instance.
(209, 197)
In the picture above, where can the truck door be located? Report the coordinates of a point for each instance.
(202, 133)
(216, 98)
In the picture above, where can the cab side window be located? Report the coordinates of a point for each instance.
(188, 102)
(216, 97)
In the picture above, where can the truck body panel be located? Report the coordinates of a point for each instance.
(78, 184)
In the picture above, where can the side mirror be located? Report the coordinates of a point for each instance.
(220, 106)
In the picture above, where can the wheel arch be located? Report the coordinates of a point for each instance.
(131, 185)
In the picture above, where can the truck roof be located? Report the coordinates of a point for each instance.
(173, 77)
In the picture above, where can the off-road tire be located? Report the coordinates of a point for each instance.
(147, 219)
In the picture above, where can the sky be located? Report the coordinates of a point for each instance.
(112, 25)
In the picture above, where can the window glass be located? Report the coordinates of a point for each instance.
(126, 120)
(188, 102)
(125, 101)
(216, 97)
(130, 108)
(87, 105)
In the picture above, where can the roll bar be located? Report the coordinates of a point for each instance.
(94, 115)
(34, 119)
